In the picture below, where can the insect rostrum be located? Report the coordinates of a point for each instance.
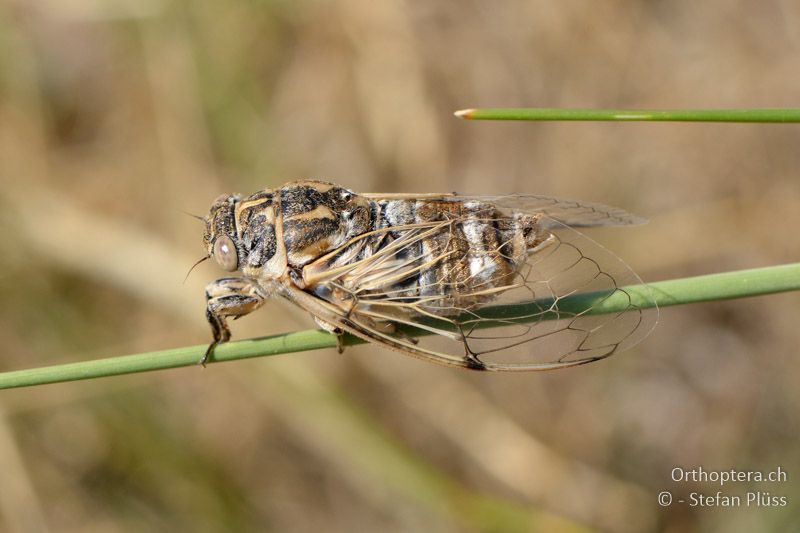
(380, 266)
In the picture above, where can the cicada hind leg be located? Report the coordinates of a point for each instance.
(229, 297)
(334, 330)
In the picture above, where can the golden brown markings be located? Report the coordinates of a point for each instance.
(278, 265)
(264, 203)
(311, 220)
(301, 253)
(321, 211)
(319, 217)
(253, 204)
(247, 209)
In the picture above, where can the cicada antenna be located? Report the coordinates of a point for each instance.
(192, 268)
(198, 217)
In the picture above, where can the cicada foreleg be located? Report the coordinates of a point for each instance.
(229, 297)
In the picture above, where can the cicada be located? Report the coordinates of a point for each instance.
(468, 281)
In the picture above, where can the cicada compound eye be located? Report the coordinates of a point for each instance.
(225, 253)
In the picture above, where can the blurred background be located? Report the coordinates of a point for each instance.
(116, 117)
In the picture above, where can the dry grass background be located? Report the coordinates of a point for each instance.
(116, 116)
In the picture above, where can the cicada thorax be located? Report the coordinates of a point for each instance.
(289, 227)
(318, 218)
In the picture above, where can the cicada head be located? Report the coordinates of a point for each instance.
(220, 235)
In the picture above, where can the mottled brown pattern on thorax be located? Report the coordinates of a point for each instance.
(318, 218)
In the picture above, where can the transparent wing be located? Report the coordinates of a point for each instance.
(574, 213)
(568, 302)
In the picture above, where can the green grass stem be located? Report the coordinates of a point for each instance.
(649, 115)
